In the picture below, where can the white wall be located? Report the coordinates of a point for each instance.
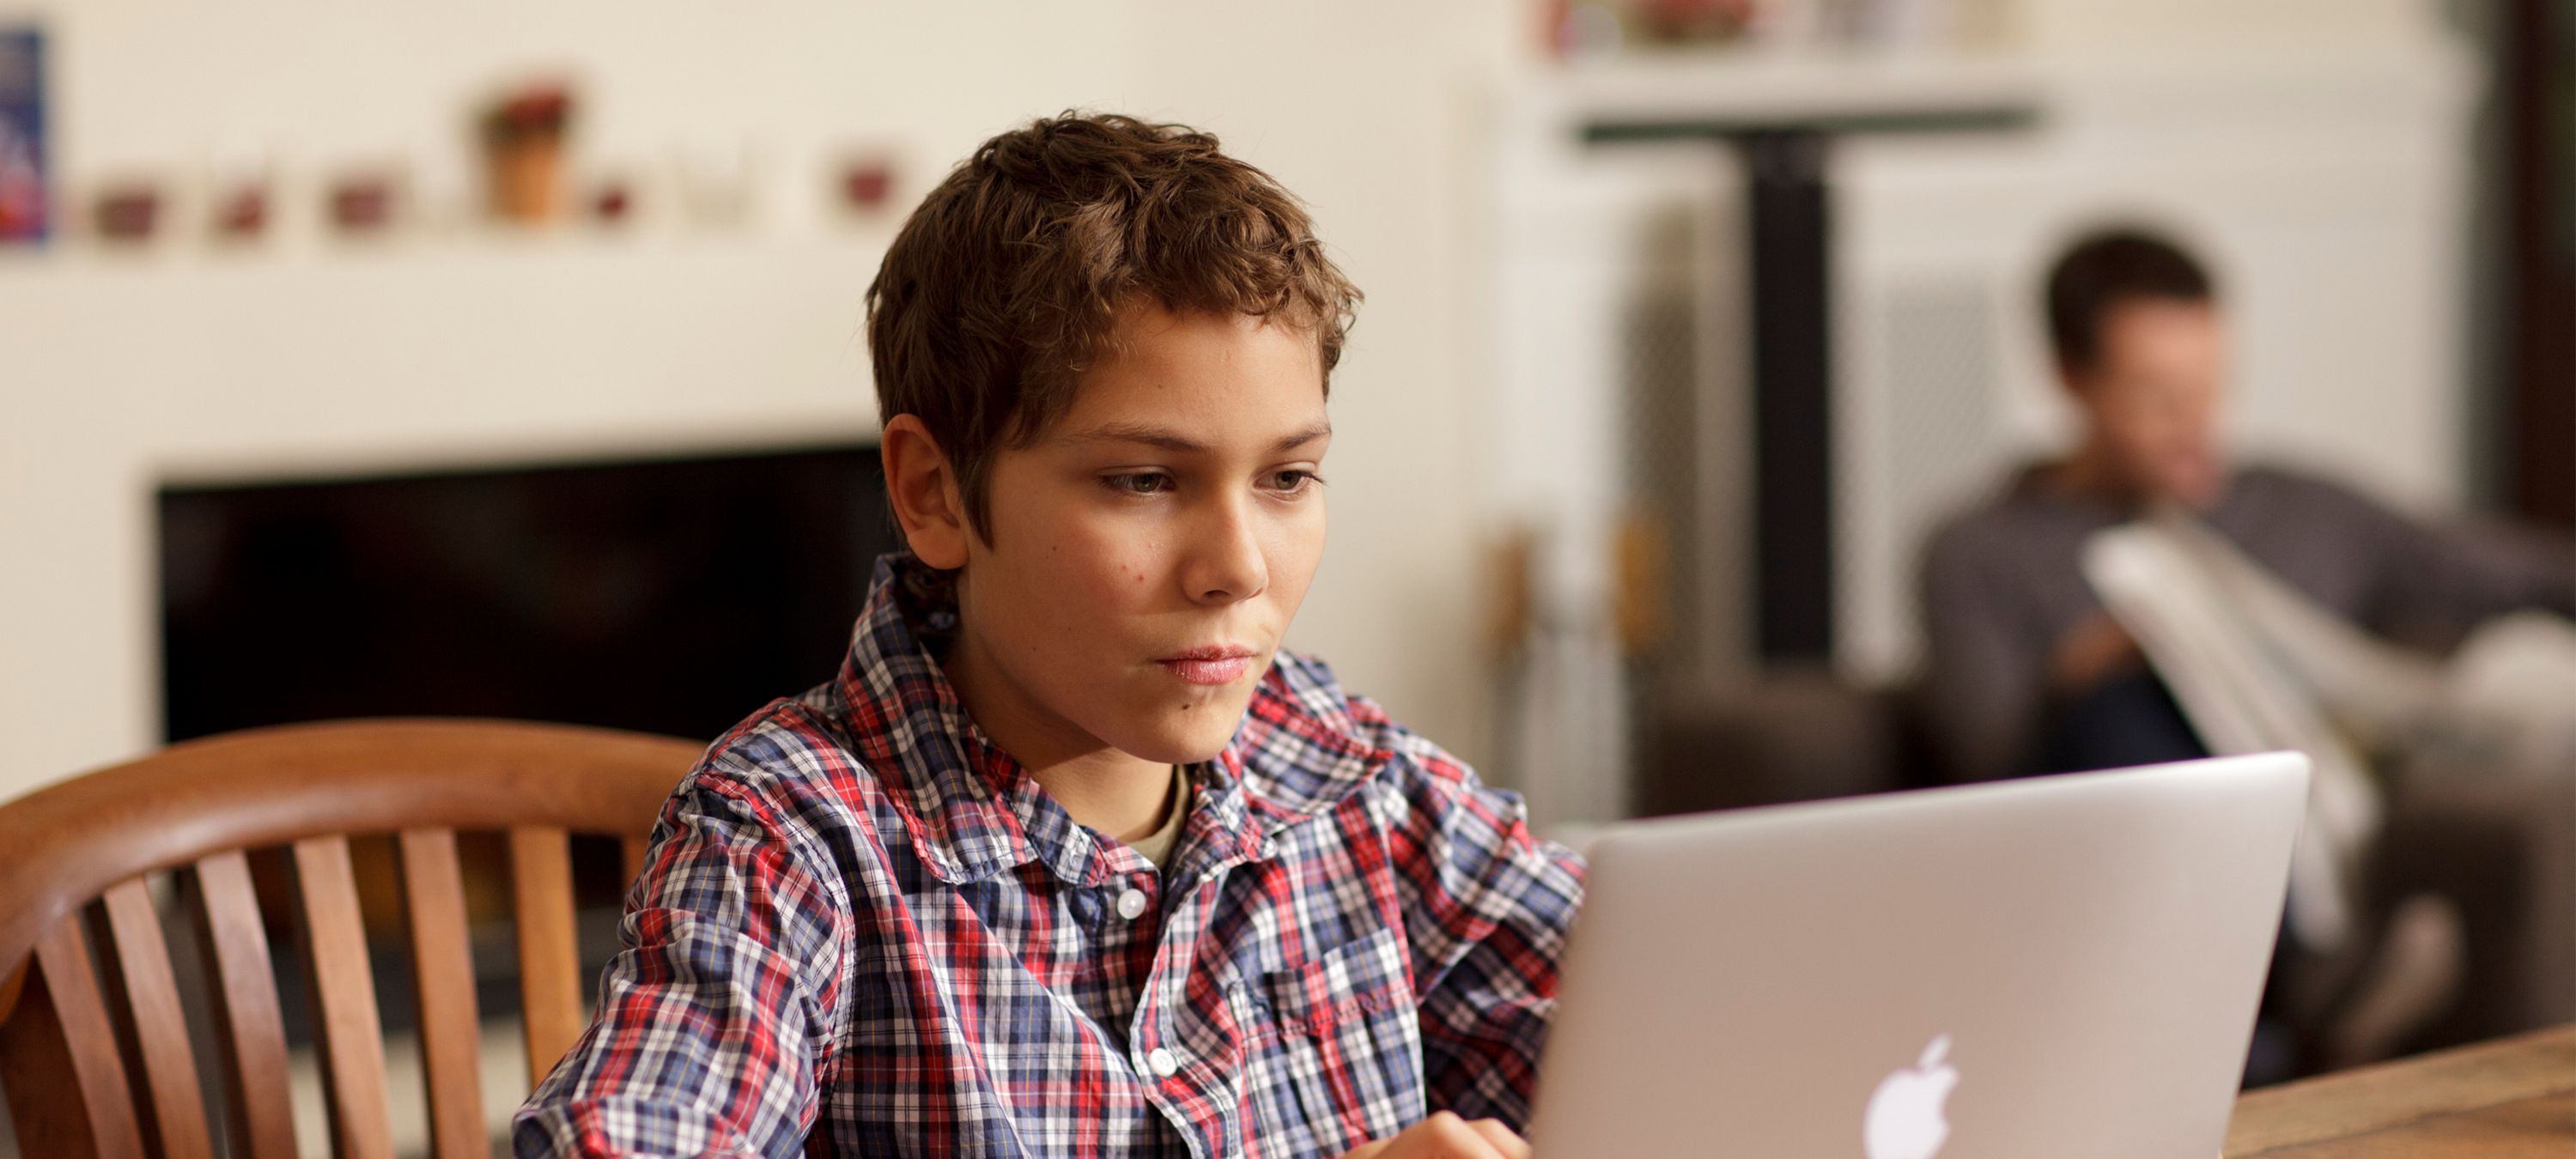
(119, 370)
(2121, 26)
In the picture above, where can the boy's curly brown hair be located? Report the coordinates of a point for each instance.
(1004, 287)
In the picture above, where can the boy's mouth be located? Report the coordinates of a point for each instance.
(1214, 664)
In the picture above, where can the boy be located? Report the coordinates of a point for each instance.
(1072, 859)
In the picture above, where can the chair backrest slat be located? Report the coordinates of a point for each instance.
(344, 988)
(634, 848)
(549, 958)
(67, 1086)
(160, 1026)
(443, 964)
(248, 1030)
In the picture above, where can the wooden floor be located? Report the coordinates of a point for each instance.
(2499, 1100)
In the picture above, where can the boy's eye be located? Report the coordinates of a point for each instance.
(1143, 483)
(1292, 481)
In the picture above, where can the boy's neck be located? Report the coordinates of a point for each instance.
(1103, 787)
(1124, 802)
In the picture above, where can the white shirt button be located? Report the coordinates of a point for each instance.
(1163, 1062)
(1131, 904)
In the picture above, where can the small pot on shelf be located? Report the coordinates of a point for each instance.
(523, 153)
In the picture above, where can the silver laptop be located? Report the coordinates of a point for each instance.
(2047, 968)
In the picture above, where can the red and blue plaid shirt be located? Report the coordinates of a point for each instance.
(862, 929)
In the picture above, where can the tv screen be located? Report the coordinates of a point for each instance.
(671, 596)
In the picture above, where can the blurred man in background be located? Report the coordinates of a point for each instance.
(2027, 673)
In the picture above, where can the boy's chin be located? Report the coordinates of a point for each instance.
(1185, 737)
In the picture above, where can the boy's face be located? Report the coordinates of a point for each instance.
(1145, 555)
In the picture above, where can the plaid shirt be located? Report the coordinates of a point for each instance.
(862, 922)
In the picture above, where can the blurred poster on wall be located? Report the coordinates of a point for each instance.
(22, 135)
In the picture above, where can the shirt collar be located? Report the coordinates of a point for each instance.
(972, 811)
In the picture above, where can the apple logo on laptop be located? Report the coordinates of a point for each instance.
(1905, 1118)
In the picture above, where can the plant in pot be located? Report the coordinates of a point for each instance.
(523, 153)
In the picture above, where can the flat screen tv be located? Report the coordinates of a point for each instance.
(672, 596)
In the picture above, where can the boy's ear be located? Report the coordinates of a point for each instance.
(923, 486)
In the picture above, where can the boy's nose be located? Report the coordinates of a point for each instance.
(1224, 562)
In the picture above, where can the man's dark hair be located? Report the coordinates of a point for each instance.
(2108, 268)
(1004, 287)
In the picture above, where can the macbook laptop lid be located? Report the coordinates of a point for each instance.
(2051, 967)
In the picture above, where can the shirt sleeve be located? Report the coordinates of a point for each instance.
(2441, 579)
(1983, 684)
(713, 1020)
(1487, 908)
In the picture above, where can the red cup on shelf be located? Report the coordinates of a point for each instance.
(128, 213)
(241, 212)
(866, 183)
(610, 202)
(363, 203)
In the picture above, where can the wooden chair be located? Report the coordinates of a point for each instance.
(96, 1055)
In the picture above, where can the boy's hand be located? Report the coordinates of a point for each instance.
(1446, 1136)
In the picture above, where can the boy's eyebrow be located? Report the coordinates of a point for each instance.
(1171, 440)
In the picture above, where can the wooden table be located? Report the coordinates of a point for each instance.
(2497, 1100)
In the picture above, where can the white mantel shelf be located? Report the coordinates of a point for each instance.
(1753, 89)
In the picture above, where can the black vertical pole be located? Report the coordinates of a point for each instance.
(1793, 521)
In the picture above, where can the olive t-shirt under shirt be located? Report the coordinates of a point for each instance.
(1157, 846)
